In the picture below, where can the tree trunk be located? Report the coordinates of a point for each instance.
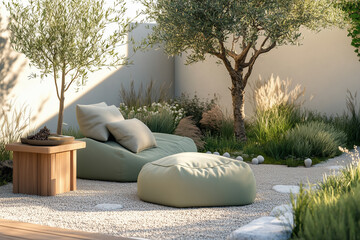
(238, 101)
(61, 106)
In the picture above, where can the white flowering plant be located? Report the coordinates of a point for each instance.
(159, 117)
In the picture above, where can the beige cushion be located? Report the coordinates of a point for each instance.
(92, 120)
(196, 180)
(132, 134)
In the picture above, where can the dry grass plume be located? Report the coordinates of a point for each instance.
(187, 128)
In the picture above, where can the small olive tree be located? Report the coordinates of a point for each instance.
(65, 39)
(236, 32)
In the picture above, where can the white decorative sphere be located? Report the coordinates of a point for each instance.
(216, 153)
(308, 162)
(255, 161)
(239, 158)
(208, 152)
(260, 158)
(226, 154)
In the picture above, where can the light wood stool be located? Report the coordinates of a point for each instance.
(44, 170)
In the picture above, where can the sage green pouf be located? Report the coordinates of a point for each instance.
(196, 180)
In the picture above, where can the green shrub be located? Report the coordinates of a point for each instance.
(313, 139)
(195, 106)
(332, 211)
(159, 117)
(348, 122)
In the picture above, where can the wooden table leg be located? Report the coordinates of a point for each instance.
(73, 170)
(15, 172)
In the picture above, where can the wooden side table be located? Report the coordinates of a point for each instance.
(44, 170)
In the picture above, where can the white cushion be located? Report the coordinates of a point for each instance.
(92, 120)
(132, 134)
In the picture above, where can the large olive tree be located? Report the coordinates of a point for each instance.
(65, 39)
(236, 32)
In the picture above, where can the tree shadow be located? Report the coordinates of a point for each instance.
(10, 66)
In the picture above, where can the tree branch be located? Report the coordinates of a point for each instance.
(255, 56)
(72, 80)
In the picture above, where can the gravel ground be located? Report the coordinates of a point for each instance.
(76, 210)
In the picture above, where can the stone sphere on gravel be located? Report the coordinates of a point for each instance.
(216, 153)
(255, 161)
(239, 158)
(226, 154)
(308, 162)
(260, 158)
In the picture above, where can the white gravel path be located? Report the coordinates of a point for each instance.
(76, 210)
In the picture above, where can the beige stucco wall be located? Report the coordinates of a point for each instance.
(325, 64)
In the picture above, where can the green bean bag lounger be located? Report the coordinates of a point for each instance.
(110, 161)
(197, 180)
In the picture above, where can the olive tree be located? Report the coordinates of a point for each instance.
(66, 39)
(236, 32)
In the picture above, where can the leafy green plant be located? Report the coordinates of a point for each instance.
(332, 210)
(159, 117)
(352, 11)
(195, 107)
(144, 97)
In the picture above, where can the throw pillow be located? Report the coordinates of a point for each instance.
(92, 120)
(132, 134)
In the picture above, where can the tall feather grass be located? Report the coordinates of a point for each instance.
(13, 124)
(144, 97)
(277, 108)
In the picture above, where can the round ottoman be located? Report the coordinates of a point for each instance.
(196, 179)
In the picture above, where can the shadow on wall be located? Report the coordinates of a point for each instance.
(150, 65)
(12, 64)
(8, 61)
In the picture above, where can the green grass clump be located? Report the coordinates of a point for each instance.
(332, 211)
(72, 131)
(312, 139)
(269, 124)
(222, 144)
